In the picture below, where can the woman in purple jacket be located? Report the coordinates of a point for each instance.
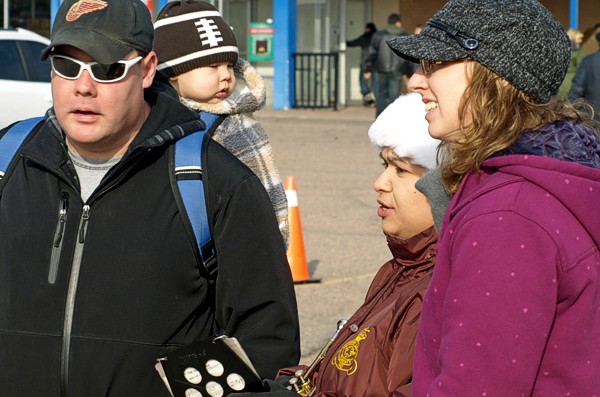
(513, 308)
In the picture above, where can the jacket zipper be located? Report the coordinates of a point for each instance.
(58, 237)
(70, 303)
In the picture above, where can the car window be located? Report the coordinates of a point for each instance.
(11, 67)
(38, 70)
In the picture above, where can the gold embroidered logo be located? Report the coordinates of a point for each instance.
(345, 359)
(84, 7)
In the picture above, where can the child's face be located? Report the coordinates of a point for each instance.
(207, 84)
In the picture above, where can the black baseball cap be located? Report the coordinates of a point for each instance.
(105, 30)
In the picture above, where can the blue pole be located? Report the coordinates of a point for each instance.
(284, 43)
(54, 6)
(161, 4)
(574, 14)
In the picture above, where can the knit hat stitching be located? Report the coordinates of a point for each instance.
(191, 34)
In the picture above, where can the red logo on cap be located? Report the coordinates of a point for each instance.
(84, 7)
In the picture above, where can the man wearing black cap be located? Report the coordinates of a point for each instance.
(99, 270)
(586, 83)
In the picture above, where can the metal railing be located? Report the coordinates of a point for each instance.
(316, 80)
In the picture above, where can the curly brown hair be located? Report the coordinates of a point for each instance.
(499, 114)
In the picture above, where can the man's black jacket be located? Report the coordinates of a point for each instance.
(88, 302)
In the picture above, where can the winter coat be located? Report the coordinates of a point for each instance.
(373, 353)
(363, 41)
(245, 138)
(513, 308)
(90, 301)
(586, 83)
(381, 58)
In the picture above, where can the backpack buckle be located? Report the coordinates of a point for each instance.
(209, 259)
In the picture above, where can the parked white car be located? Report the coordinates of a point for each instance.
(24, 78)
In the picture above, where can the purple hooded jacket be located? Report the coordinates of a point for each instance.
(513, 308)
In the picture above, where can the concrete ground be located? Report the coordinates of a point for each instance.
(329, 154)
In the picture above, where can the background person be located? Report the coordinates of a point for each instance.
(388, 68)
(373, 353)
(577, 55)
(513, 307)
(586, 83)
(363, 41)
(98, 272)
(210, 77)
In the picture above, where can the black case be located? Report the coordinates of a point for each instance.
(212, 367)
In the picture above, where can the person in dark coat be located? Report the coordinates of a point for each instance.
(388, 68)
(363, 41)
(100, 272)
(586, 83)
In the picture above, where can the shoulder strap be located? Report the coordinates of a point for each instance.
(213, 121)
(12, 141)
(188, 173)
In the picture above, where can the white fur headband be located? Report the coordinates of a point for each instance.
(402, 127)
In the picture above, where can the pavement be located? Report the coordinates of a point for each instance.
(329, 155)
(345, 114)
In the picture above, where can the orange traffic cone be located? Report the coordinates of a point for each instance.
(295, 253)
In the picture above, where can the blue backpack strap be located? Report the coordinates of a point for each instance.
(212, 121)
(12, 141)
(188, 173)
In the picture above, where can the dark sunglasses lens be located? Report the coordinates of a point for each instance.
(65, 67)
(108, 72)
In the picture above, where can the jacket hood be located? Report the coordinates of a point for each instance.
(576, 186)
(565, 163)
(249, 95)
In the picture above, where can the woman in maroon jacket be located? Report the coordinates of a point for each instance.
(373, 353)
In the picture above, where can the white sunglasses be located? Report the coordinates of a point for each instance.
(71, 69)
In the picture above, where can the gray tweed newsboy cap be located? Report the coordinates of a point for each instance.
(519, 40)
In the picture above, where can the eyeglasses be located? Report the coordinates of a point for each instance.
(428, 65)
(70, 68)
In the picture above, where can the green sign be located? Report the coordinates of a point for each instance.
(260, 47)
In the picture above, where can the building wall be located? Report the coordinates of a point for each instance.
(589, 16)
(416, 12)
(382, 9)
(33, 15)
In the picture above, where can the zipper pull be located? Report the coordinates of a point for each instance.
(85, 216)
(62, 218)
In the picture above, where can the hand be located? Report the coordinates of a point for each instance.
(367, 75)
